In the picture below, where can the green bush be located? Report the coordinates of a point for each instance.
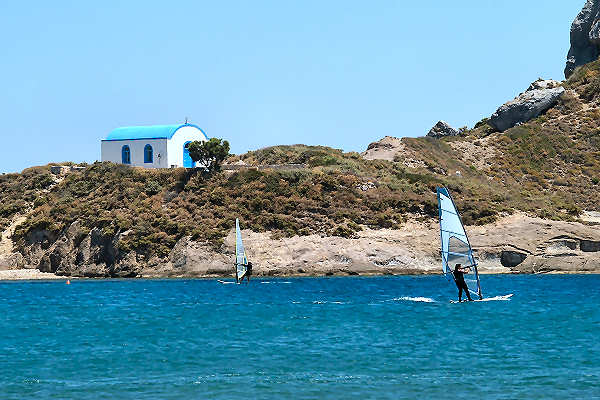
(152, 187)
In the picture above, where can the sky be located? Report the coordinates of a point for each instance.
(263, 73)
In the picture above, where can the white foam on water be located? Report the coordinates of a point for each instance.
(416, 299)
(498, 298)
(327, 302)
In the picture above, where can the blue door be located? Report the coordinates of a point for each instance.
(125, 155)
(187, 160)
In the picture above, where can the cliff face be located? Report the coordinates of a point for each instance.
(516, 243)
(585, 37)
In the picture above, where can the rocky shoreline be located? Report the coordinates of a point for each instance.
(34, 275)
(27, 275)
(514, 244)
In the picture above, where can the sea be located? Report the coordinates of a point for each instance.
(301, 338)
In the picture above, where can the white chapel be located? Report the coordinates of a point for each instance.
(159, 146)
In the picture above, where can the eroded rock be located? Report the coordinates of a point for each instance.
(515, 243)
(563, 246)
(538, 98)
(384, 149)
(585, 37)
(590, 246)
(11, 261)
(510, 258)
(77, 252)
(442, 129)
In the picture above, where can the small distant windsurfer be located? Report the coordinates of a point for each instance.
(459, 278)
(246, 274)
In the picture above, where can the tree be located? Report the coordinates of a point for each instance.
(210, 154)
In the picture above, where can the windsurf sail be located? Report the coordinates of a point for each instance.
(456, 248)
(241, 261)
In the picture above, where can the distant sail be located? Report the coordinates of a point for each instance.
(241, 261)
(456, 248)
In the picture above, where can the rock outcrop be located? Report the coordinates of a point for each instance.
(442, 129)
(511, 258)
(590, 246)
(9, 258)
(585, 37)
(393, 149)
(384, 149)
(79, 253)
(538, 98)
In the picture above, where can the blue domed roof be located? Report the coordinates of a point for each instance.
(148, 132)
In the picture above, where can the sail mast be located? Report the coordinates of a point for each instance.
(478, 283)
(237, 227)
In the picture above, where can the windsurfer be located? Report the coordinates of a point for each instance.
(248, 271)
(459, 279)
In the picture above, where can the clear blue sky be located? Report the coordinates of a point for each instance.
(261, 73)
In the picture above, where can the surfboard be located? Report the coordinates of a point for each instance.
(506, 297)
(225, 282)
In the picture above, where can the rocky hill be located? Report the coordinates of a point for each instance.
(585, 37)
(526, 181)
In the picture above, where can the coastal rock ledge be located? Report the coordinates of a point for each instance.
(513, 244)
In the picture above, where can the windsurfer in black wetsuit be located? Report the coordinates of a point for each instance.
(248, 271)
(459, 279)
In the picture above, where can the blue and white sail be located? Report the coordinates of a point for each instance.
(241, 261)
(456, 248)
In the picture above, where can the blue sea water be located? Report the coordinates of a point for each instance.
(304, 338)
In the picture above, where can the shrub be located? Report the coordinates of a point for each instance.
(152, 188)
(210, 154)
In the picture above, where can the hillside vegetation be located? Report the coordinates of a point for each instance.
(549, 167)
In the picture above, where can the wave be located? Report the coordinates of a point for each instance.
(415, 299)
(327, 302)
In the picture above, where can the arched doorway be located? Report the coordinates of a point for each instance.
(125, 155)
(187, 160)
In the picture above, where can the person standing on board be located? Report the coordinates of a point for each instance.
(459, 279)
(248, 271)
